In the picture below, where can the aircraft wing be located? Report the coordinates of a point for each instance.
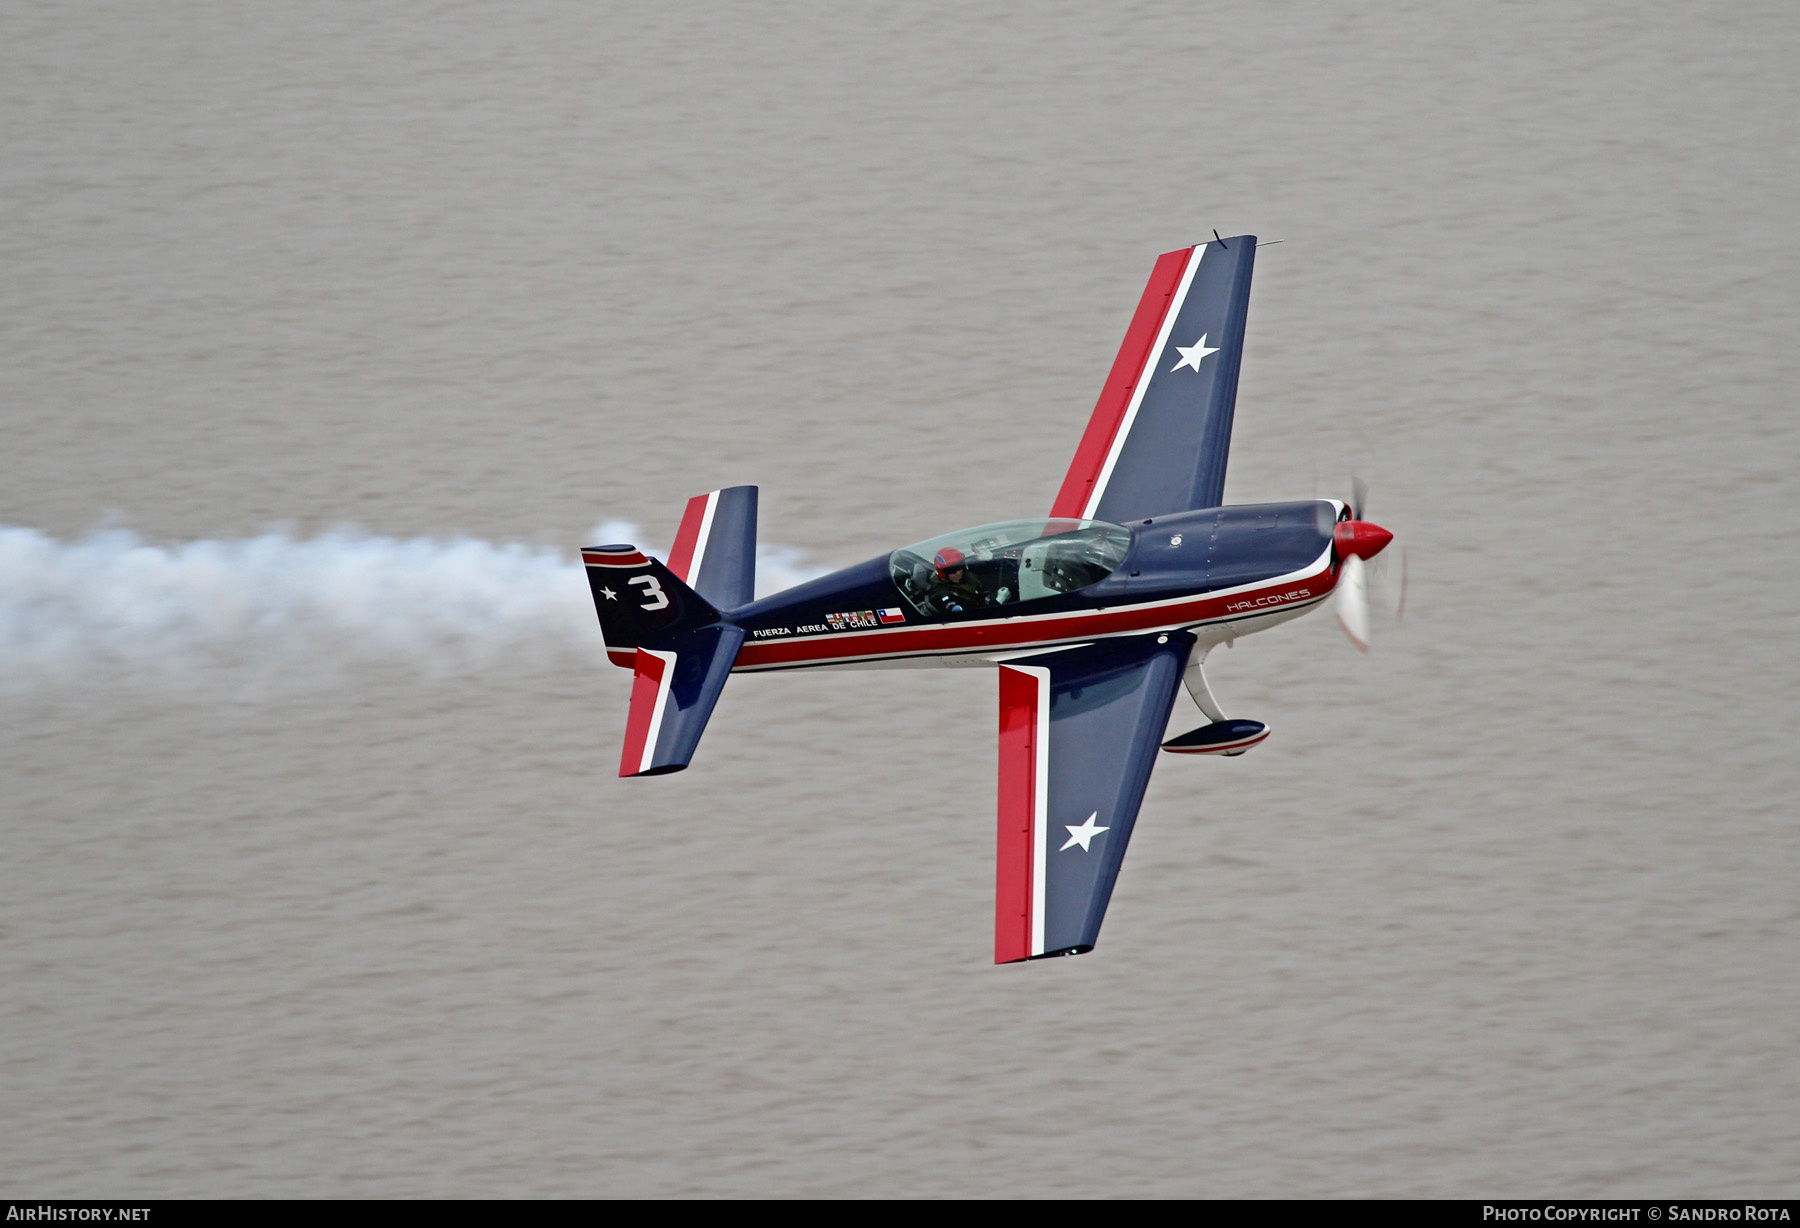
(1161, 431)
(1079, 733)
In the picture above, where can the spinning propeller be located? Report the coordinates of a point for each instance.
(1358, 540)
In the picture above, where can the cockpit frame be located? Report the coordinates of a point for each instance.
(1009, 564)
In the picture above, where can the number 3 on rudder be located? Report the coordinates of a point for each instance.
(652, 590)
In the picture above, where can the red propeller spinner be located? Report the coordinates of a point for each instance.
(1361, 539)
(1357, 541)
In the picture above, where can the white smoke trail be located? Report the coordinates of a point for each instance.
(112, 602)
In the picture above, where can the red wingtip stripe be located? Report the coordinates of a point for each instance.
(1018, 804)
(645, 688)
(1115, 395)
(687, 537)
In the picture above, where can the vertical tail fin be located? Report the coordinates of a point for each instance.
(664, 624)
(640, 602)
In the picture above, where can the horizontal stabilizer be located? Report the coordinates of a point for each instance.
(715, 548)
(673, 692)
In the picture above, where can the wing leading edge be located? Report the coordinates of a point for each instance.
(1079, 732)
(1160, 434)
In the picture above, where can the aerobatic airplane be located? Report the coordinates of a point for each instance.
(1095, 615)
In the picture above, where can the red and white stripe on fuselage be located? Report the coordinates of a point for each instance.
(1021, 851)
(1287, 594)
(654, 671)
(1110, 424)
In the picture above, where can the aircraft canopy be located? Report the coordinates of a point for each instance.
(1001, 564)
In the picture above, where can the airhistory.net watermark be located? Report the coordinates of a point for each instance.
(50, 1213)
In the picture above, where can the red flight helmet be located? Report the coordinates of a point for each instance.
(948, 560)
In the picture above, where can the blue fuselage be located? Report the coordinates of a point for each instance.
(1221, 564)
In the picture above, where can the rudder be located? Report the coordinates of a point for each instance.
(664, 624)
(640, 601)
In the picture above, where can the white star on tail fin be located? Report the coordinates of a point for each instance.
(1081, 835)
(1192, 354)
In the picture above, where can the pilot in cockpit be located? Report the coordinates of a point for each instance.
(955, 589)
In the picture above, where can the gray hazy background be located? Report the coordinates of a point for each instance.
(325, 885)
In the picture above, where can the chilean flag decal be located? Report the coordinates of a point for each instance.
(891, 615)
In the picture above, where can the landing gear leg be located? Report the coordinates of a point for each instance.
(1222, 736)
(1195, 681)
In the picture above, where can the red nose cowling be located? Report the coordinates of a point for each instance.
(1359, 538)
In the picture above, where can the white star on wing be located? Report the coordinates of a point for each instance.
(1086, 832)
(1192, 354)
(610, 595)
